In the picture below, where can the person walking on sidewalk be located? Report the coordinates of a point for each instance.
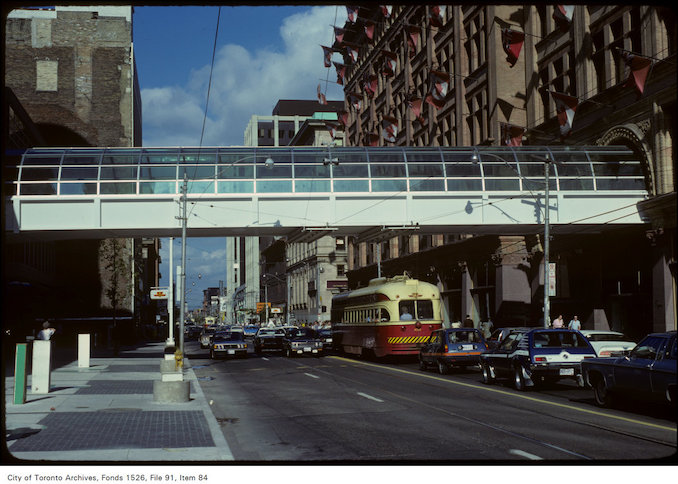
(46, 332)
(574, 323)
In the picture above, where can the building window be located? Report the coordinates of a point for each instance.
(46, 75)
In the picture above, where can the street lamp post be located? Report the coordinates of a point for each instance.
(547, 231)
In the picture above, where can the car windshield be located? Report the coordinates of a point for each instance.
(607, 337)
(228, 337)
(325, 332)
(302, 333)
(463, 337)
(558, 339)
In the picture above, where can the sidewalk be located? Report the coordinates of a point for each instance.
(106, 413)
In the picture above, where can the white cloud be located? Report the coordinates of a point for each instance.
(244, 83)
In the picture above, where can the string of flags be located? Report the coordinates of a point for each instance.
(512, 41)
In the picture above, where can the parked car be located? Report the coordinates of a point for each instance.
(499, 334)
(452, 347)
(268, 339)
(206, 336)
(302, 341)
(537, 356)
(326, 337)
(648, 372)
(606, 343)
(231, 343)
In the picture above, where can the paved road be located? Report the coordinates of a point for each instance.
(333, 408)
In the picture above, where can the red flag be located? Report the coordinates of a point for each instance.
(332, 127)
(369, 30)
(339, 35)
(321, 96)
(390, 63)
(327, 53)
(437, 103)
(512, 41)
(343, 117)
(352, 51)
(415, 105)
(562, 14)
(386, 10)
(565, 107)
(512, 135)
(440, 82)
(413, 33)
(370, 84)
(389, 130)
(352, 13)
(356, 100)
(639, 68)
(341, 72)
(437, 15)
(372, 139)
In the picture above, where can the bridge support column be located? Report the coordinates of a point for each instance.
(513, 294)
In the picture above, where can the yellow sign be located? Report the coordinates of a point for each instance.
(261, 306)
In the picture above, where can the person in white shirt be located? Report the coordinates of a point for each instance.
(558, 322)
(46, 332)
(574, 323)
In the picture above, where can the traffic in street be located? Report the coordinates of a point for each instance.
(335, 407)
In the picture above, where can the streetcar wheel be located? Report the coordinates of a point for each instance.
(487, 374)
(601, 393)
(443, 369)
(518, 381)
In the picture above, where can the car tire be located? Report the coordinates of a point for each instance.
(601, 394)
(422, 364)
(518, 380)
(211, 355)
(288, 353)
(443, 369)
(486, 372)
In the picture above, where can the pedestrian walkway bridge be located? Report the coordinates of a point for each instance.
(306, 192)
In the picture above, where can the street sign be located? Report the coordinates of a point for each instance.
(159, 293)
(552, 278)
(276, 310)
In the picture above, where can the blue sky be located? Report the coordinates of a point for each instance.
(263, 54)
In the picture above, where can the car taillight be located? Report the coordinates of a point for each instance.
(446, 348)
(539, 358)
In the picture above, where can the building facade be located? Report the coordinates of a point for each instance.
(71, 81)
(524, 75)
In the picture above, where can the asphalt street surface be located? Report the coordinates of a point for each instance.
(340, 409)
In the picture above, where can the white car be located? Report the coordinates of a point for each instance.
(607, 342)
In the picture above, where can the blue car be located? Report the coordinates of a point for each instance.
(452, 347)
(648, 372)
(536, 356)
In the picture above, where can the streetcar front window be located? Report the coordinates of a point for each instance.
(425, 309)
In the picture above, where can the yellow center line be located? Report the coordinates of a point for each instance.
(503, 392)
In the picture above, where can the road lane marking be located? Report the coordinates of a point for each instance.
(312, 376)
(370, 397)
(522, 453)
(515, 395)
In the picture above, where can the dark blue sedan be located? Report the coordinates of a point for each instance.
(536, 356)
(648, 372)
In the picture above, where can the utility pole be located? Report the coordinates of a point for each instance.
(547, 236)
(184, 222)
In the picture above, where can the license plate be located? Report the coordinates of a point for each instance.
(567, 371)
(307, 350)
(466, 347)
(231, 352)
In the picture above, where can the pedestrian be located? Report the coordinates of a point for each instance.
(468, 322)
(46, 332)
(487, 327)
(574, 323)
(558, 322)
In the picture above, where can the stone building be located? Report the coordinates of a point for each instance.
(525, 75)
(71, 78)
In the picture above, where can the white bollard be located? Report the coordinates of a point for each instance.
(41, 374)
(83, 350)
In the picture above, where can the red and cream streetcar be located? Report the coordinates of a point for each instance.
(391, 316)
